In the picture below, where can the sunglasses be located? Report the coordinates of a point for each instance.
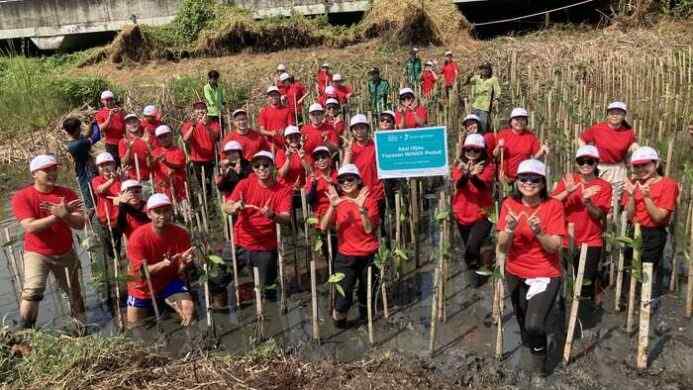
(261, 165)
(641, 165)
(530, 179)
(346, 179)
(321, 156)
(472, 150)
(586, 161)
(387, 120)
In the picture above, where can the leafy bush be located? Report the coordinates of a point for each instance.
(78, 91)
(193, 16)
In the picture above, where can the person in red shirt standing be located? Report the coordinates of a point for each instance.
(410, 114)
(472, 124)
(342, 90)
(428, 79)
(450, 72)
(649, 199)
(586, 200)
(333, 116)
(164, 248)
(531, 228)
(322, 79)
(360, 151)
(47, 214)
(201, 135)
(258, 203)
(135, 151)
(615, 140)
(294, 95)
(168, 166)
(330, 93)
(111, 120)
(355, 216)
(518, 143)
(131, 208)
(150, 121)
(323, 176)
(318, 131)
(281, 69)
(274, 118)
(251, 141)
(106, 188)
(473, 177)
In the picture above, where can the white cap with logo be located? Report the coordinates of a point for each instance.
(161, 130)
(291, 130)
(158, 200)
(272, 88)
(532, 166)
(337, 77)
(358, 119)
(42, 161)
(315, 107)
(348, 169)
(233, 145)
(321, 148)
(518, 112)
(150, 110)
(406, 91)
(331, 101)
(128, 184)
(587, 151)
(263, 154)
(644, 154)
(617, 106)
(471, 117)
(106, 95)
(103, 158)
(475, 140)
(284, 76)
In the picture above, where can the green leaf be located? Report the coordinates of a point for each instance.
(215, 259)
(401, 254)
(340, 290)
(11, 242)
(317, 246)
(271, 287)
(627, 241)
(312, 221)
(442, 214)
(483, 271)
(336, 278)
(586, 282)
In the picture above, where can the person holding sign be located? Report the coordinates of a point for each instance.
(473, 177)
(531, 228)
(515, 144)
(410, 114)
(355, 216)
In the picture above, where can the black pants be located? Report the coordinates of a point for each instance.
(265, 261)
(112, 149)
(594, 254)
(474, 236)
(354, 268)
(209, 172)
(653, 242)
(534, 315)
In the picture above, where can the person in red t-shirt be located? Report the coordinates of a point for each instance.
(164, 248)
(274, 118)
(473, 177)
(410, 114)
(355, 216)
(47, 213)
(323, 176)
(450, 72)
(150, 121)
(168, 166)
(294, 95)
(531, 228)
(428, 79)
(318, 131)
(135, 151)
(111, 120)
(131, 208)
(259, 203)
(322, 79)
(586, 201)
(333, 116)
(201, 135)
(281, 69)
(360, 151)
(650, 199)
(615, 140)
(472, 124)
(341, 90)
(517, 143)
(292, 162)
(251, 141)
(106, 188)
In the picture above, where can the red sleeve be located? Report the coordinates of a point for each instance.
(214, 127)
(283, 202)
(280, 158)
(100, 117)
(500, 225)
(424, 114)
(588, 136)
(625, 198)
(185, 128)
(291, 118)
(602, 199)
(69, 195)
(632, 139)
(373, 212)
(183, 240)
(488, 174)
(555, 218)
(122, 147)
(262, 119)
(21, 207)
(560, 187)
(456, 173)
(536, 145)
(670, 194)
(238, 192)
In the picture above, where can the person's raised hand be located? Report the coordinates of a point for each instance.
(535, 224)
(588, 193)
(333, 196)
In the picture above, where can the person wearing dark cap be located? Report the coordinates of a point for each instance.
(200, 134)
(378, 90)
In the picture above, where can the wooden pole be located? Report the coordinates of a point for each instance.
(633, 284)
(619, 273)
(234, 261)
(206, 291)
(369, 294)
(689, 293)
(152, 295)
(499, 323)
(314, 296)
(645, 311)
(260, 329)
(434, 311)
(328, 235)
(280, 260)
(116, 272)
(575, 305)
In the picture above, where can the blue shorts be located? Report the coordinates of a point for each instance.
(176, 286)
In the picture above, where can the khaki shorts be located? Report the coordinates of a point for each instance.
(36, 270)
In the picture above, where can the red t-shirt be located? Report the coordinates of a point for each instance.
(116, 130)
(450, 71)
(313, 136)
(526, 257)
(150, 128)
(363, 156)
(139, 151)
(338, 125)
(587, 229)
(55, 240)
(105, 208)
(202, 141)
(252, 142)
(470, 203)
(352, 240)
(409, 121)
(343, 93)
(296, 170)
(132, 223)
(294, 93)
(254, 231)
(428, 82)
(664, 194)
(146, 245)
(324, 78)
(612, 144)
(169, 173)
(518, 147)
(323, 185)
(276, 118)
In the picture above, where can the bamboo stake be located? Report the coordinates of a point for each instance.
(116, 271)
(369, 294)
(234, 261)
(689, 293)
(314, 297)
(260, 329)
(645, 311)
(619, 273)
(205, 268)
(500, 292)
(577, 291)
(152, 296)
(280, 260)
(434, 312)
(12, 267)
(633, 285)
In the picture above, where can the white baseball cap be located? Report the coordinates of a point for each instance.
(264, 154)
(321, 148)
(325, 65)
(150, 110)
(127, 184)
(289, 130)
(358, 119)
(272, 88)
(131, 116)
(405, 91)
(284, 76)
(429, 63)
(158, 200)
(42, 161)
(476, 140)
(330, 90)
(107, 95)
(448, 53)
(331, 101)
(587, 151)
(315, 107)
(388, 112)
(161, 130)
(233, 145)
(348, 169)
(532, 166)
(238, 111)
(471, 117)
(617, 106)
(644, 154)
(281, 67)
(337, 77)
(104, 157)
(518, 112)
(415, 49)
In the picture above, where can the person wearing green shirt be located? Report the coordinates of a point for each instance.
(484, 94)
(378, 90)
(412, 68)
(214, 96)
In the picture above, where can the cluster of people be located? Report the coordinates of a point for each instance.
(261, 172)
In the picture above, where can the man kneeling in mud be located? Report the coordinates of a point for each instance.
(164, 248)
